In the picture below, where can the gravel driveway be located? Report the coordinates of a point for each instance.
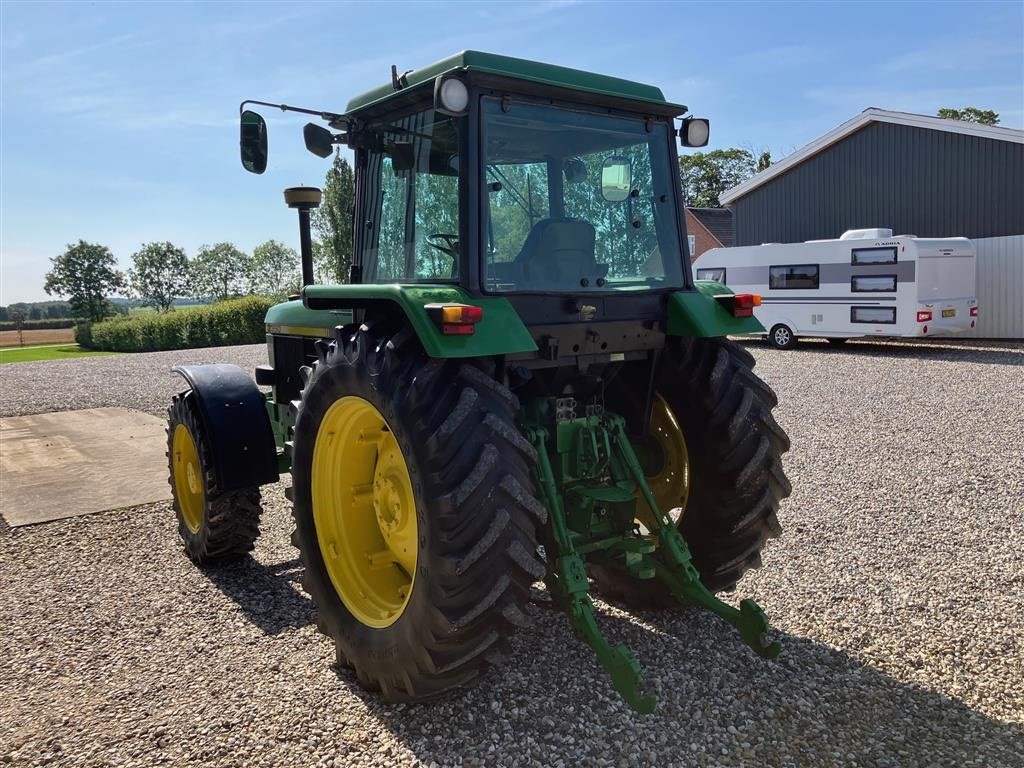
(897, 589)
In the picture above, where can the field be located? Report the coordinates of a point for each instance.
(35, 338)
(896, 589)
(48, 352)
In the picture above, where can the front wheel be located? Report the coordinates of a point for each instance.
(215, 526)
(415, 513)
(781, 336)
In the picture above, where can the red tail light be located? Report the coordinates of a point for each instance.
(740, 304)
(924, 316)
(974, 311)
(455, 319)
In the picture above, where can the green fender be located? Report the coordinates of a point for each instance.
(325, 306)
(696, 313)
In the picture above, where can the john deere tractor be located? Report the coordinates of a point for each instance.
(521, 382)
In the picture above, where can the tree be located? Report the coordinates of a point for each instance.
(332, 224)
(160, 272)
(706, 175)
(970, 115)
(18, 316)
(220, 271)
(274, 270)
(86, 273)
(763, 161)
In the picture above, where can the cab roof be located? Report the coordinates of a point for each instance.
(521, 69)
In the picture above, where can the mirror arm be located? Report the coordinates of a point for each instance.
(334, 120)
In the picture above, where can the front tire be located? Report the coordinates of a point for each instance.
(214, 526)
(465, 501)
(781, 336)
(734, 453)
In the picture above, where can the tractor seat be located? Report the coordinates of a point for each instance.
(557, 254)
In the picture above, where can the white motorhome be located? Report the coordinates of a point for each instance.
(866, 283)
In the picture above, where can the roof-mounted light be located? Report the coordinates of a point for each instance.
(451, 96)
(695, 132)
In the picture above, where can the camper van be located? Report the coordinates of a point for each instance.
(866, 283)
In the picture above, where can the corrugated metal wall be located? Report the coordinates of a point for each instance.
(914, 180)
(1000, 288)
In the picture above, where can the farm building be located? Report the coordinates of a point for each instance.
(708, 228)
(914, 174)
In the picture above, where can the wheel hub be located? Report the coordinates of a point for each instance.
(364, 511)
(187, 476)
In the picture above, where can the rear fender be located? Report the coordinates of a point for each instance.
(696, 313)
(500, 332)
(234, 415)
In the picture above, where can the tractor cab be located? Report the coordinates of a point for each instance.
(553, 188)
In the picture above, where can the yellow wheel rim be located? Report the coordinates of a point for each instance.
(364, 511)
(188, 478)
(670, 484)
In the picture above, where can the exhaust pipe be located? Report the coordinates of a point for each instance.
(304, 199)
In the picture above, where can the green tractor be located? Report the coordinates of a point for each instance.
(520, 383)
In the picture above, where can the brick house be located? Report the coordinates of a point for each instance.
(708, 228)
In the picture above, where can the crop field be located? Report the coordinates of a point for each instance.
(35, 338)
(897, 589)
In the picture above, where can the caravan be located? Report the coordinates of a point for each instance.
(866, 283)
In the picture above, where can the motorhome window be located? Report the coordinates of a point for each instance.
(873, 283)
(873, 315)
(793, 276)
(716, 273)
(860, 256)
(691, 240)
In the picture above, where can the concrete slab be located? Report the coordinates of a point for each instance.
(57, 465)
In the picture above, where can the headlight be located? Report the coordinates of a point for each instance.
(451, 96)
(695, 132)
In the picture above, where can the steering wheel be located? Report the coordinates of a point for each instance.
(445, 242)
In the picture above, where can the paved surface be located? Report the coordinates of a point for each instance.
(68, 463)
(896, 588)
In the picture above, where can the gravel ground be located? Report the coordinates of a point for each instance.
(896, 588)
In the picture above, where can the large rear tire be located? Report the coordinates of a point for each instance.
(450, 477)
(215, 526)
(734, 452)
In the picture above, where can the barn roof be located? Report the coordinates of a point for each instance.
(870, 115)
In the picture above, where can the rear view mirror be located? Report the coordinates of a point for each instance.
(403, 157)
(253, 142)
(575, 170)
(318, 139)
(616, 178)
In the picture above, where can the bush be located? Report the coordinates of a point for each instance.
(83, 334)
(238, 321)
(37, 325)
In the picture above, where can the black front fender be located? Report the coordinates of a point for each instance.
(234, 416)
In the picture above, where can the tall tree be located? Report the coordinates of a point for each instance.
(763, 161)
(970, 115)
(332, 224)
(706, 175)
(85, 273)
(159, 274)
(274, 270)
(220, 271)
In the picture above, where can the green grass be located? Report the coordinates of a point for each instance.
(48, 352)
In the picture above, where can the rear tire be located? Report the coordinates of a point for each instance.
(475, 516)
(735, 448)
(781, 336)
(214, 526)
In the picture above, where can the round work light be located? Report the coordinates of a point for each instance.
(695, 132)
(451, 95)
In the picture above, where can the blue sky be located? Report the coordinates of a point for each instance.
(118, 121)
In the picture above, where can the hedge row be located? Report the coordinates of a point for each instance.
(239, 321)
(37, 325)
